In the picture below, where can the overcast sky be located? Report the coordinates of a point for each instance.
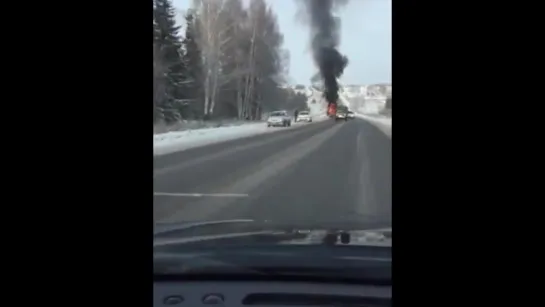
(366, 39)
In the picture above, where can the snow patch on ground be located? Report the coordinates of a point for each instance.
(173, 141)
(383, 123)
(199, 124)
(372, 106)
(169, 142)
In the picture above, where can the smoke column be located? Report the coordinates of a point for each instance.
(324, 42)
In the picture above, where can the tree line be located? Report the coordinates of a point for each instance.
(225, 61)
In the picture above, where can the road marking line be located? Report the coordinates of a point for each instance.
(200, 194)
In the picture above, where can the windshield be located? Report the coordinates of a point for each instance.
(222, 68)
(278, 114)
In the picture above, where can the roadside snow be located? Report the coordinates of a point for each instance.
(199, 124)
(180, 140)
(169, 142)
(383, 123)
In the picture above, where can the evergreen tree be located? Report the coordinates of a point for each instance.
(168, 46)
(192, 60)
(158, 74)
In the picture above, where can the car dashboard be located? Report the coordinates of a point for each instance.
(263, 293)
(342, 269)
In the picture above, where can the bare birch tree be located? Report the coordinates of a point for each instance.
(234, 60)
(211, 39)
(266, 58)
(242, 60)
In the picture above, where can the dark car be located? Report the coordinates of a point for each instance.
(342, 113)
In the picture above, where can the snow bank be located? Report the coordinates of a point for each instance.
(198, 135)
(181, 140)
(383, 123)
(165, 143)
(199, 124)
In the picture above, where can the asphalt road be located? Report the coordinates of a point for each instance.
(325, 171)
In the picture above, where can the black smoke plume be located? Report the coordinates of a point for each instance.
(325, 38)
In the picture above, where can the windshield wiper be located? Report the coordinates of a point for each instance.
(274, 264)
(377, 277)
(161, 229)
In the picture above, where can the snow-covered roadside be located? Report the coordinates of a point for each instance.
(169, 142)
(383, 123)
(173, 141)
(199, 124)
(165, 143)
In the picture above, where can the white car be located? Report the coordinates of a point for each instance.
(341, 115)
(279, 118)
(304, 116)
(351, 114)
